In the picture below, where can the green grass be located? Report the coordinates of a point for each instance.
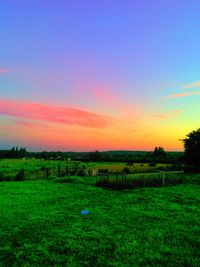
(33, 167)
(41, 225)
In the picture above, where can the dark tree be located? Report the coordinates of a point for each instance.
(192, 148)
(94, 156)
(159, 152)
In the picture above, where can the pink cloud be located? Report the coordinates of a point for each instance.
(104, 96)
(108, 96)
(104, 93)
(56, 114)
(3, 70)
(23, 123)
(29, 124)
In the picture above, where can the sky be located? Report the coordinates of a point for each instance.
(99, 75)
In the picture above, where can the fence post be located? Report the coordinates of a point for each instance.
(117, 176)
(143, 178)
(163, 179)
(58, 172)
(46, 173)
(181, 177)
(67, 170)
(108, 178)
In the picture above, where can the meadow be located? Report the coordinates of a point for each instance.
(41, 221)
(34, 167)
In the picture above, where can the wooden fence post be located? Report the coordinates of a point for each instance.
(143, 178)
(46, 173)
(58, 172)
(117, 176)
(67, 170)
(108, 178)
(163, 179)
(181, 177)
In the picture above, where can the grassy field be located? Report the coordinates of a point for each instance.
(41, 224)
(33, 167)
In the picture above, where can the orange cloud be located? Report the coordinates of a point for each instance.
(57, 114)
(191, 85)
(179, 95)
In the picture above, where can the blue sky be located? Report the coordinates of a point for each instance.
(126, 59)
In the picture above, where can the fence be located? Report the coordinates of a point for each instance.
(139, 180)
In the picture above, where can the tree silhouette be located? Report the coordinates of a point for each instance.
(159, 152)
(192, 148)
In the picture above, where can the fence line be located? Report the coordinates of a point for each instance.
(161, 176)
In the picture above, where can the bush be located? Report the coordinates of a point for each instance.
(126, 170)
(61, 174)
(152, 164)
(191, 169)
(175, 167)
(114, 184)
(2, 177)
(20, 176)
(103, 171)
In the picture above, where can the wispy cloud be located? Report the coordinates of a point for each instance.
(107, 96)
(56, 114)
(23, 123)
(100, 92)
(180, 95)
(3, 70)
(168, 115)
(191, 85)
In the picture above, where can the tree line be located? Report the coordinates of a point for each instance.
(191, 155)
(159, 155)
(13, 153)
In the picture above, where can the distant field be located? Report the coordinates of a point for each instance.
(136, 167)
(41, 225)
(33, 167)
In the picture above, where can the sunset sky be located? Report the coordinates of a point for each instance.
(99, 74)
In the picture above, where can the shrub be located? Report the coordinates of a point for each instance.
(81, 173)
(61, 174)
(114, 184)
(1, 177)
(20, 176)
(5, 178)
(126, 170)
(103, 171)
(42, 168)
(191, 169)
(152, 164)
